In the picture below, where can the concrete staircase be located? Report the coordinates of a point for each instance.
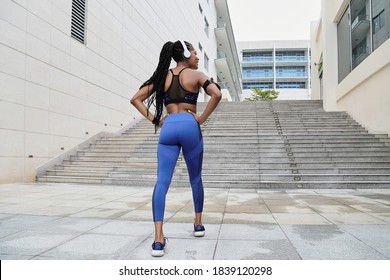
(279, 144)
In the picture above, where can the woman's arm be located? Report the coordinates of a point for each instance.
(215, 94)
(138, 101)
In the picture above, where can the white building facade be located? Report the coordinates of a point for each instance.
(68, 68)
(351, 60)
(282, 65)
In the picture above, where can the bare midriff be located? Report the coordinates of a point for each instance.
(175, 108)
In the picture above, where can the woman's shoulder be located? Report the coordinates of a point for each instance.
(192, 71)
(196, 73)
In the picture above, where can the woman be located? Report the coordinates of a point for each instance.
(178, 90)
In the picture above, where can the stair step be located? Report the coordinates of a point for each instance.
(279, 144)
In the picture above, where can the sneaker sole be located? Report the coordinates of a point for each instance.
(157, 253)
(199, 233)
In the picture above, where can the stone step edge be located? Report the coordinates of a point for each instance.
(208, 181)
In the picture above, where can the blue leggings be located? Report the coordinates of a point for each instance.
(178, 131)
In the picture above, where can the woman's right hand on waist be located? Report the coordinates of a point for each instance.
(199, 119)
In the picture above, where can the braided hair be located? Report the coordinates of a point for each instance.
(169, 50)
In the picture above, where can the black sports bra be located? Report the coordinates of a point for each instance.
(177, 94)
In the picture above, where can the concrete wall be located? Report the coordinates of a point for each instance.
(364, 92)
(56, 92)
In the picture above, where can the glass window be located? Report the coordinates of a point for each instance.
(378, 22)
(344, 46)
(206, 26)
(257, 72)
(296, 85)
(290, 55)
(200, 46)
(263, 85)
(200, 9)
(290, 71)
(206, 62)
(257, 56)
(359, 53)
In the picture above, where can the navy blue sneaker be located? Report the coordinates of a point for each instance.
(158, 248)
(199, 230)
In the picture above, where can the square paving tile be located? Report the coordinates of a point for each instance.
(101, 213)
(281, 202)
(95, 247)
(15, 257)
(369, 231)
(5, 216)
(251, 232)
(25, 221)
(214, 207)
(186, 217)
(385, 217)
(61, 211)
(296, 208)
(70, 225)
(300, 219)
(186, 230)
(21, 209)
(31, 243)
(258, 208)
(352, 249)
(255, 250)
(315, 232)
(143, 215)
(334, 209)
(122, 227)
(352, 218)
(177, 249)
(119, 205)
(245, 218)
(7, 231)
(372, 208)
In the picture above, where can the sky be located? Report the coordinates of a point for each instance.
(257, 20)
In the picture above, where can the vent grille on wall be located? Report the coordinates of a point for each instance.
(78, 20)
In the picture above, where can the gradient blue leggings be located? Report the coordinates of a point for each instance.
(178, 131)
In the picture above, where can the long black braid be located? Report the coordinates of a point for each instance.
(169, 50)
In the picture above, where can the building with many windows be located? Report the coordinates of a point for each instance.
(351, 60)
(68, 68)
(280, 65)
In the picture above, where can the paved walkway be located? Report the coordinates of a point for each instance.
(65, 221)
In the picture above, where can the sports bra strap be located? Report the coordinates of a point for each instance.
(179, 72)
(182, 70)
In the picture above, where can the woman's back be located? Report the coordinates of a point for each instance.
(181, 90)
